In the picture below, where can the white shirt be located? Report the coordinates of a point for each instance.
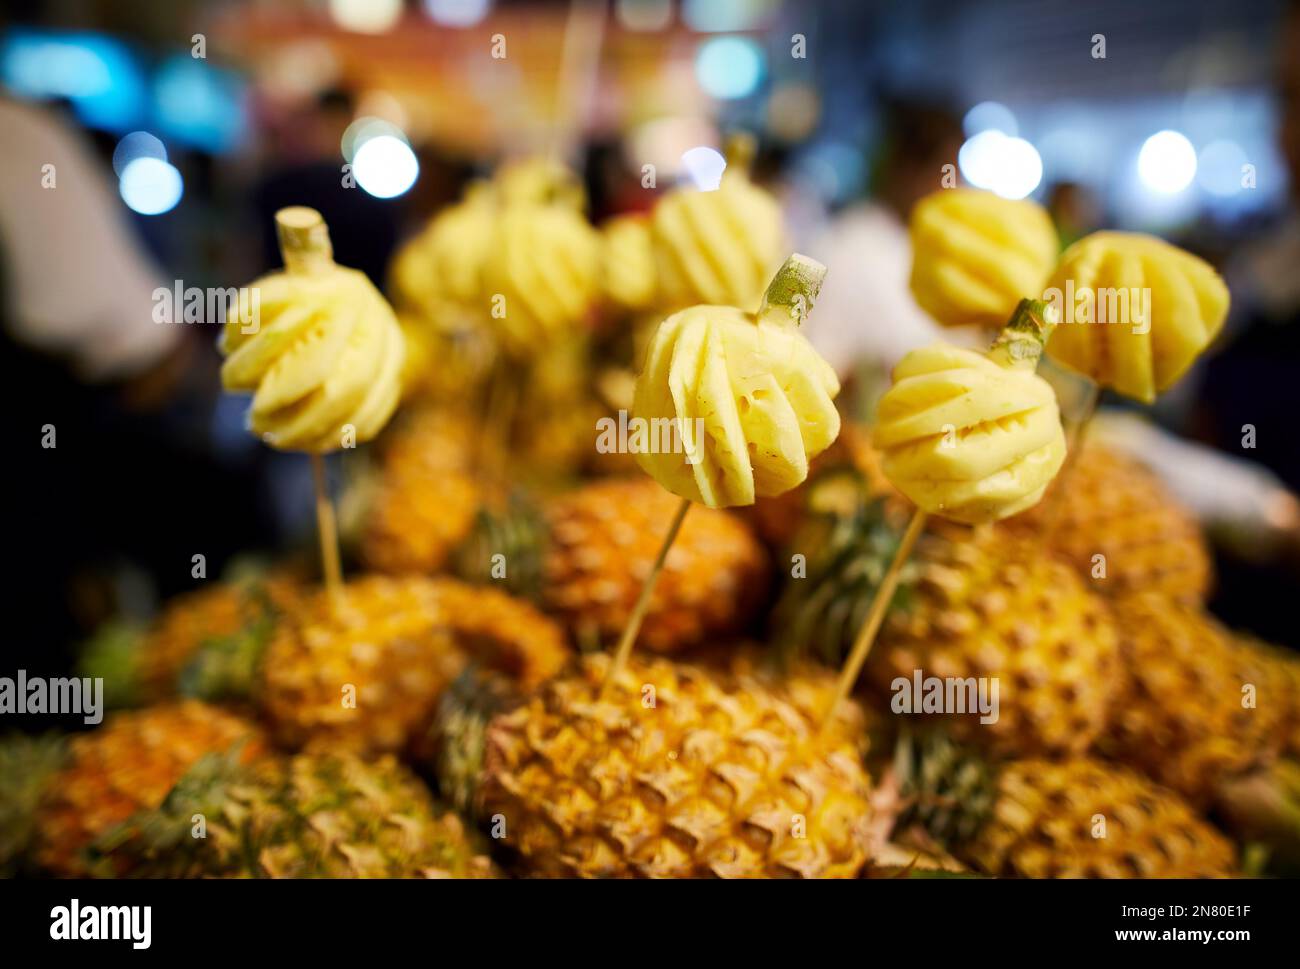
(76, 282)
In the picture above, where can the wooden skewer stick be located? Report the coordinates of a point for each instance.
(875, 617)
(643, 600)
(305, 247)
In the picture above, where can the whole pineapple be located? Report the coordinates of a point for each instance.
(973, 603)
(27, 764)
(597, 544)
(203, 644)
(1036, 818)
(676, 771)
(1199, 707)
(365, 672)
(1112, 505)
(310, 816)
(129, 764)
(427, 497)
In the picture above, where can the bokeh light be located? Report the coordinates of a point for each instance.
(366, 16)
(362, 130)
(137, 144)
(385, 166)
(1167, 162)
(644, 14)
(704, 167)
(1219, 168)
(990, 116)
(1010, 167)
(457, 13)
(729, 67)
(150, 186)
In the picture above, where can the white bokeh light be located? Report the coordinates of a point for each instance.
(150, 186)
(704, 166)
(385, 166)
(990, 116)
(366, 16)
(1219, 170)
(1010, 167)
(1167, 162)
(137, 144)
(457, 13)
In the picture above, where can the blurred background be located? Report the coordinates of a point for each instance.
(175, 129)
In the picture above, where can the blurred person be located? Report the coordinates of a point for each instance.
(1075, 211)
(363, 229)
(866, 309)
(102, 400)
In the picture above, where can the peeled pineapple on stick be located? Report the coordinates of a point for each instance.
(970, 437)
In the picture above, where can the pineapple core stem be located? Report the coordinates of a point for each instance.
(871, 626)
(1021, 342)
(793, 290)
(634, 621)
(305, 247)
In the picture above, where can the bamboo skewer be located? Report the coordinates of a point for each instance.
(642, 606)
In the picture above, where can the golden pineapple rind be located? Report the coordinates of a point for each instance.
(712, 780)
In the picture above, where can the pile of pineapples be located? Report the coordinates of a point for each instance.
(448, 715)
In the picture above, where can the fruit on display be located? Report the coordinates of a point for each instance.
(748, 396)
(1188, 717)
(324, 362)
(601, 540)
(1137, 355)
(437, 273)
(427, 497)
(974, 437)
(204, 644)
(364, 671)
(627, 262)
(27, 764)
(717, 247)
(541, 277)
(1113, 505)
(320, 815)
(455, 744)
(676, 771)
(126, 765)
(975, 255)
(971, 603)
(539, 180)
(1071, 818)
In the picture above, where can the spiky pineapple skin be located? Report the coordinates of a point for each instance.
(309, 816)
(985, 603)
(1112, 505)
(427, 497)
(1186, 717)
(711, 778)
(129, 764)
(603, 539)
(364, 674)
(1048, 815)
(361, 673)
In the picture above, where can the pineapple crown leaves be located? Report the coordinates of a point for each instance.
(225, 667)
(161, 841)
(26, 766)
(112, 654)
(516, 531)
(855, 541)
(944, 788)
(458, 734)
